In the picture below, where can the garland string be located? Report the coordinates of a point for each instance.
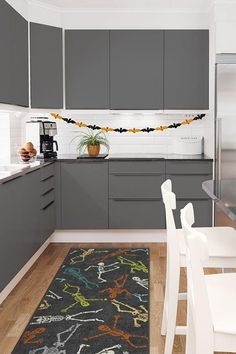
(131, 130)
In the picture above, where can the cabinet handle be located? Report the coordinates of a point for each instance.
(188, 174)
(47, 206)
(47, 192)
(136, 199)
(47, 178)
(137, 174)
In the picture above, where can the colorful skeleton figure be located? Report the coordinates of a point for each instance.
(141, 282)
(53, 295)
(145, 250)
(77, 274)
(139, 314)
(46, 319)
(103, 269)
(75, 317)
(60, 279)
(81, 257)
(59, 344)
(134, 266)
(142, 297)
(118, 289)
(110, 350)
(112, 255)
(30, 336)
(77, 297)
(113, 331)
(44, 305)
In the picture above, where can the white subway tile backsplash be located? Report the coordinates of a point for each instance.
(154, 142)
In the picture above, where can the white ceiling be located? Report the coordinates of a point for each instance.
(195, 5)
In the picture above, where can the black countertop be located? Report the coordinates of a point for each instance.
(224, 195)
(142, 156)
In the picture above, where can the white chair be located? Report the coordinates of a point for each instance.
(211, 322)
(222, 254)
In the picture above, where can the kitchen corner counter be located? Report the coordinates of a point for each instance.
(24, 170)
(223, 193)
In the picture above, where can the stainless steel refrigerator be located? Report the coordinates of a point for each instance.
(225, 123)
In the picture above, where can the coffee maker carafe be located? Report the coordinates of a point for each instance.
(41, 134)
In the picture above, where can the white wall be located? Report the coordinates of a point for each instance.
(134, 19)
(225, 22)
(155, 142)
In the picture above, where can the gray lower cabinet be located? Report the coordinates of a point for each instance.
(186, 69)
(14, 88)
(84, 194)
(136, 69)
(135, 194)
(46, 66)
(202, 210)
(87, 69)
(19, 220)
(187, 178)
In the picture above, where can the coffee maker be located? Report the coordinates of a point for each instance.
(41, 134)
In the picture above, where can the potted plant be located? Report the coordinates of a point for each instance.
(92, 141)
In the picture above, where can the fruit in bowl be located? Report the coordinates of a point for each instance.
(27, 152)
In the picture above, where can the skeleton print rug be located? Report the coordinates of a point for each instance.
(98, 303)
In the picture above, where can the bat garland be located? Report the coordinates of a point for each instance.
(131, 130)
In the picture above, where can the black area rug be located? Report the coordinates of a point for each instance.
(98, 303)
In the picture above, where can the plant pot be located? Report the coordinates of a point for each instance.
(93, 150)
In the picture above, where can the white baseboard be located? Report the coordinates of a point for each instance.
(109, 236)
(10, 286)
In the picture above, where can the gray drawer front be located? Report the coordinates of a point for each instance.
(47, 171)
(47, 184)
(139, 167)
(188, 186)
(136, 214)
(202, 211)
(135, 186)
(189, 167)
(47, 198)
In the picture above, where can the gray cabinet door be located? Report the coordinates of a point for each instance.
(202, 212)
(136, 214)
(136, 69)
(19, 224)
(46, 66)
(186, 69)
(84, 195)
(87, 69)
(13, 57)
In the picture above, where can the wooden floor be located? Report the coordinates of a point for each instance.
(17, 309)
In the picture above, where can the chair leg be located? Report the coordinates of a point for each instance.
(171, 310)
(190, 339)
(164, 314)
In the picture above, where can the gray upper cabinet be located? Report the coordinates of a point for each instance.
(46, 66)
(87, 69)
(13, 57)
(186, 69)
(136, 69)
